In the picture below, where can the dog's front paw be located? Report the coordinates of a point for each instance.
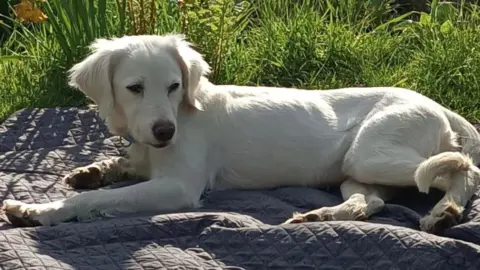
(28, 215)
(88, 177)
(436, 223)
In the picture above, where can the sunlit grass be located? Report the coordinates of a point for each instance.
(338, 43)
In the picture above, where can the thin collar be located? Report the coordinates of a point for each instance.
(129, 139)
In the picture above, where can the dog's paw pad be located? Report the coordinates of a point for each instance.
(437, 223)
(19, 214)
(360, 216)
(89, 177)
(311, 216)
(296, 218)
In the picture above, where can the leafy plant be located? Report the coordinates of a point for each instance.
(214, 25)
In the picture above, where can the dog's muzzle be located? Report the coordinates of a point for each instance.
(163, 132)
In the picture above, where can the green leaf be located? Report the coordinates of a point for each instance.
(425, 19)
(446, 27)
(15, 58)
(395, 20)
(433, 10)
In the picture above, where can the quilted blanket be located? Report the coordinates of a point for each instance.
(233, 230)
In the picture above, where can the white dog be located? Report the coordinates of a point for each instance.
(190, 135)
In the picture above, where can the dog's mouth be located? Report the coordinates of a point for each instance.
(160, 145)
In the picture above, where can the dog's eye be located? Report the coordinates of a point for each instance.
(173, 87)
(135, 88)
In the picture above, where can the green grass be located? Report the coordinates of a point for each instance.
(340, 43)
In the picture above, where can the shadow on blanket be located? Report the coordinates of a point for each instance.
(241, 232)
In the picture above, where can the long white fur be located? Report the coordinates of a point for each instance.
(231, 136)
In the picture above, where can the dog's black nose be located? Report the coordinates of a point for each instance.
(163, 131)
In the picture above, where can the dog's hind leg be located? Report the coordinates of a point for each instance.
(463, 180)
(100, 174)
(415, 147)
(360, 202)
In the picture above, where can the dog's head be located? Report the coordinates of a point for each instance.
(140, 83)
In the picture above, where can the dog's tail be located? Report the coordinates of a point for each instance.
(438, 165)
(468, 135)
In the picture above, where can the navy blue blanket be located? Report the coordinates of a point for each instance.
(233, 230)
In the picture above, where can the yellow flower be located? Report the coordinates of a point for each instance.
(38, 16)
(23, 10)
(27, 12)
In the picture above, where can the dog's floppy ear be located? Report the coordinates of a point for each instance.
(193, 67)
(93, 76)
